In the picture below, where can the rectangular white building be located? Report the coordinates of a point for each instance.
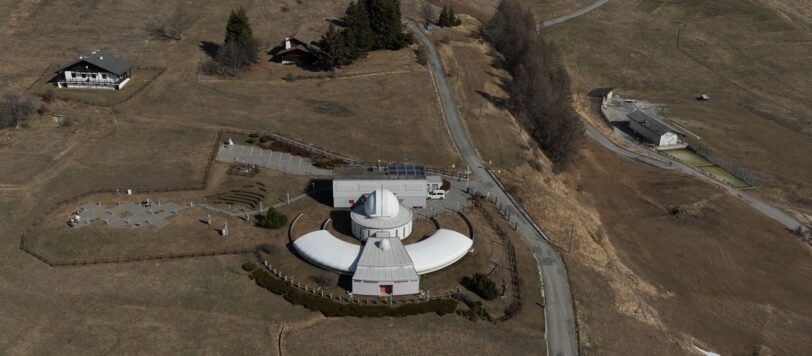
(653, 130)
(408, 182)
(385, 268)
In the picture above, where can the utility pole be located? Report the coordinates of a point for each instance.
(481, 98)
(569, 249)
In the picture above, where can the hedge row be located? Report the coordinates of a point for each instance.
(331, 308)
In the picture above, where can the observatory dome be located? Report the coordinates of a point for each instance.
(381, 203)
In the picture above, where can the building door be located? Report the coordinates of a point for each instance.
(386, 289)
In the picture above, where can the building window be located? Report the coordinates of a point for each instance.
(84, 76)
(104, 76)
(93, 76)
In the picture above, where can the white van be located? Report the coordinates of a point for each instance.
(437, 194)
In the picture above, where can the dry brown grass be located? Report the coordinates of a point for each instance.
(162, 137)
(708, 275)
(758, 115)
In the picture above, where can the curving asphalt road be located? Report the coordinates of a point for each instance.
(561, 336)
(572, 15)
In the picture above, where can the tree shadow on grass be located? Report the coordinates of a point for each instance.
(209, 48)
(498, 102)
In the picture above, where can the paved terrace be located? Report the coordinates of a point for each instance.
(283, 162)
(133, 214)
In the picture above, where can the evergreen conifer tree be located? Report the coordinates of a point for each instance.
(384, 20)
(238, 28)
(453, 19)
(335, 51)
(239, 47)
(443, 20)
(358, 31)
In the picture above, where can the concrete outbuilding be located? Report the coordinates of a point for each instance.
(653, 130)
(406, 181)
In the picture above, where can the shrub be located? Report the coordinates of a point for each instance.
(422, 55)
(327, 163)
(482, 285)
(274, 219)
(264, 138)
(446, 185)
(253, 135)
(250, 140)
(448, 18)
(331, 308)
(48, 96)
(249, 266)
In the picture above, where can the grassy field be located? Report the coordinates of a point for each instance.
(161, 137)
(57, 241)
(478, 85)
(667, 258)
(758, 114)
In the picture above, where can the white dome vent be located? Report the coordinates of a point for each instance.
(384, 244)
(381, 203)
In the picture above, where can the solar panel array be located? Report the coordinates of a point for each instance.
(406, 170)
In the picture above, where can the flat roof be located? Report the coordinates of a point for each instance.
(651, 123)
(439, 250)
(384, 259)
(325, 250)
(391, 171)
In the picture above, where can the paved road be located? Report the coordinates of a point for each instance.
(559, 317)
(572, 15)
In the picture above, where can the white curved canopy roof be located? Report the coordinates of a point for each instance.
(439, 250)
(381, 203)
(323, 249)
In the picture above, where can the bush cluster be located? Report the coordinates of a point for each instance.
(327, 163)
(370, 25)
(274, 219)
(540, 94)
(332, 308)
(482, 285)
(239, 49)
(448, 18)
(249, 266)
(15, 111)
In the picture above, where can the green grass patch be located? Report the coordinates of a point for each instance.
(720, 174)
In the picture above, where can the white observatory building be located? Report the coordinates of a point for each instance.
(381, 215)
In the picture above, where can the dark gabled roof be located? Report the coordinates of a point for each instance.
(104, 61)
(656, 126)
(302, 48)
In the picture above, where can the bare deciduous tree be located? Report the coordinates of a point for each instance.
(178, 22)
(15, 111)
(427, 11)
(540, 94)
